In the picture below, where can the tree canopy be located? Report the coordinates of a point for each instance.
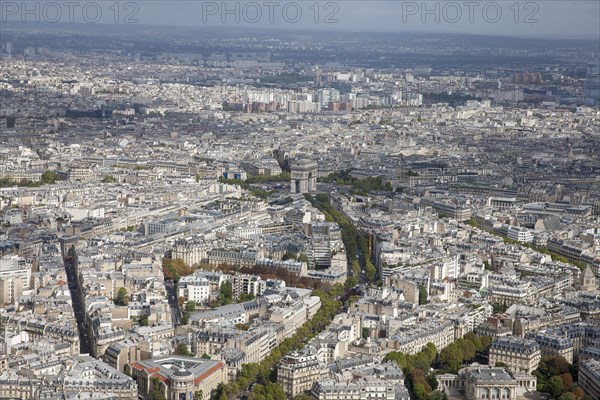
(121, 299)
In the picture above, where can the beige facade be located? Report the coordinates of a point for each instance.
(304, 176)
(10, 290)
(486, 383)
(519, 355)
(298, 371)
(180, 377)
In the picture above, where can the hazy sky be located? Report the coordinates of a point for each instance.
(547, 18)
(557, 18)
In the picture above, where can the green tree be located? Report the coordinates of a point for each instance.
(246, 297)
(121, 299)
(452, 357)
(467, 349)
(486, 341)
(499, 307)
(422, 295)
(49, 177)
(431, 351)
(365, 333)
(263, 372)
(567, 379)
(226, 291)
(420, 361)
(182, 350)
(190, 307)
(555, 387)
(108, 179)
(398, 357)
(436, 396)
(432, 381)
(351, 281)
(370, 271)
(419, 392)
(157, 392)
(470, 336)
(270, 391)
(567, 396)
(144, 320)
(337, 290)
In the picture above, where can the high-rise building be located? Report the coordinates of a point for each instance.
(592, 84)
(328, 95)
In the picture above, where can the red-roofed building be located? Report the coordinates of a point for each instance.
(178, 377)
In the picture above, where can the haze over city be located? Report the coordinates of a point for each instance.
(300, 200)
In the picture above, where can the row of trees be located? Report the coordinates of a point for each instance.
(419, 381)
(350, 235)
(557, 377)
(451, 357)
(358, 186)
(262, 376)
(291, 278)
(47, 178)
(539, 249)
(463, 350)
(284, 177)
(173, 269)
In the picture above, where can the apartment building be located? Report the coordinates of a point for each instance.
(412, 339)
(589, 377)
(191, 252)
(519, 355)
(194, 288)
(519, 234)
(90, 375)
(248, 285)
(298, 371)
